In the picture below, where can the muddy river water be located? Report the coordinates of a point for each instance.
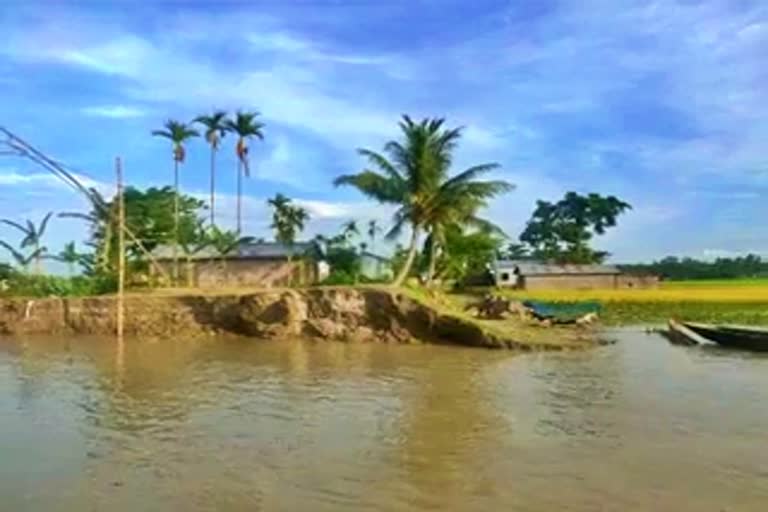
(232, 424)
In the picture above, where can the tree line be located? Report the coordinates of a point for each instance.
(437, 210)
(678, 269)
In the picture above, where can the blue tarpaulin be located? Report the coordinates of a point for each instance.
(562, 310)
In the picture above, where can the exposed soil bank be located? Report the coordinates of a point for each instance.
(343, 314)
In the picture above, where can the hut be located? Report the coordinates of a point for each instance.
(254, 264)
(534, 275)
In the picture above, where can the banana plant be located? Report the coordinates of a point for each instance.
(33, 235)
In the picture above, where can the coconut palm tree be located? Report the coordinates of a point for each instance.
(33, 235)
(215, 130)
(415, 176)
(288, 220)
(245, 126)
(178, 133)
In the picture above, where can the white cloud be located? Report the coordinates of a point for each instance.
(13, 179)
(114, 111)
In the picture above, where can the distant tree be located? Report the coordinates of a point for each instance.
(149, 214)
(245, 126)
(288, 219)
(349, 230)
(749, 266)
(374, 230)
(32, 241)
(70, 256)
(215, 129)
(178, 133)
(515, 251)
(562, 231)
(225, 242)
(467, 254)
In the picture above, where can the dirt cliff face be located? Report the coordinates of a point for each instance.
(343, 314)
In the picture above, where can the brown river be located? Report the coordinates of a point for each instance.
(238, 425)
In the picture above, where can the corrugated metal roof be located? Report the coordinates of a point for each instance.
(535, 268)
(255, 250)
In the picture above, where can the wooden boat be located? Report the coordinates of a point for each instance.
(746, 338)
(680, 334)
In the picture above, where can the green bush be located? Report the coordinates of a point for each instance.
(27, 285)
(340, 277)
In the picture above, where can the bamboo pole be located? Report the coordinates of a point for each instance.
(120, 252)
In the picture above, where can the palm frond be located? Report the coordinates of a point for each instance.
(43, 225)
(162, 133)
(23, 229)
(20, 258)
(77, 215)
(374, 185)
(399, 220)
(381, 162)
(471, 173)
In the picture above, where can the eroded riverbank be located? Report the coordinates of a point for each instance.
(340, 314)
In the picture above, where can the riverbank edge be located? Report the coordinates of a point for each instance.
(347, 314)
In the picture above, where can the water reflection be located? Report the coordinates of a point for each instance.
(233, 424)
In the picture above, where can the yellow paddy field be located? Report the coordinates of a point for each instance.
(737, 291)
(732, 302)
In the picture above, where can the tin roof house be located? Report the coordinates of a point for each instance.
(535, 275)
(253, 264)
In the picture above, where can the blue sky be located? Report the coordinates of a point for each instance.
(663, 103)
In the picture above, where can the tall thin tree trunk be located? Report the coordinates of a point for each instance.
(432, 260)
(176, 221)
(213, 185)
(239, 195)
(408, 260)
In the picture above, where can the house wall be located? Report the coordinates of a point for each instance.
(506, 278)
(570, 282)
(245, 273)
(637, 281)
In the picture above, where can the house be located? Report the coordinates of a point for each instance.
(255, 264)
(375, 267)
(534, 275)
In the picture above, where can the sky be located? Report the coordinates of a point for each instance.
(663, 103)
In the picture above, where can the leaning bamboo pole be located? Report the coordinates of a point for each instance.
(16, 146)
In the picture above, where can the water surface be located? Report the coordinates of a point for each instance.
(244, 425)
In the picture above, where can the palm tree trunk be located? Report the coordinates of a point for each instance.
(176, 221)
(432, 260)
(408, 260)
(239, 195)
(213, 185)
